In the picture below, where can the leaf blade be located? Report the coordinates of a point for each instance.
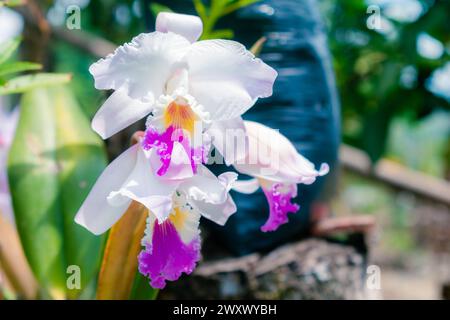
(21, 84)
(8, 48)
(15, 67)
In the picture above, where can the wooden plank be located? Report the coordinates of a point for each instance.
(396, 175)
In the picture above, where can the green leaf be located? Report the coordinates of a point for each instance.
(54, 161)
(221, 34)
(142, 289)
(8, 48)
(237, 5)
(14, 67)
(24, 83)
(201, 9)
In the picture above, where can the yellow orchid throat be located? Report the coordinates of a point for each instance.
(180, 115)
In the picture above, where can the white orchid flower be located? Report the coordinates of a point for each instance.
(277, 168)
(172, 241)
(8, 123)
(180, 84)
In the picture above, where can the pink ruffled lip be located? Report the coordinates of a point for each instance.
(164, 142)
(167, 257)
(280, 205)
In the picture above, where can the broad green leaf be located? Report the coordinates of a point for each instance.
(8, 48)
(54, 160)
(24, 83)
(120, 263)
(14, 67)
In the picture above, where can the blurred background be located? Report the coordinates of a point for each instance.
(392, 68)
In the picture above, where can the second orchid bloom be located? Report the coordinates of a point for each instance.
(193, 95)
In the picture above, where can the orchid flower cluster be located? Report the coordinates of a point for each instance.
(193, 94)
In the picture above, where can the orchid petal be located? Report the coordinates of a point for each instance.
(187, 222)
(246, 186)
(178, 168)
(188, 26)
(143, 186)
(166, 255)
(118, 112)
(96, 214)
(226, 78)
(279, 197)
(210, 194)
(142, 66)
(218, 213)
(271, 156)
(230, 139)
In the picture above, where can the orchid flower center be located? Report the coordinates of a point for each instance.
(174, 121)
(178, 218)
(180, 115)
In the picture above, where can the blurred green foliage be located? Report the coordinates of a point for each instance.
(54, 160)
(394, 211)
(421, 145)
(10, 84)
(381, 74)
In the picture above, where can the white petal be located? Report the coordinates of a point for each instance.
(246, 186)
(180, 167)
(219, 213)
(96, 214)
(178, 83)
(210, 194)
(143, 66)
(148, 232)
(188, 26)
(271, 156)
(143, 186)
(118, 112)
(226, 78)
(230, 139)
